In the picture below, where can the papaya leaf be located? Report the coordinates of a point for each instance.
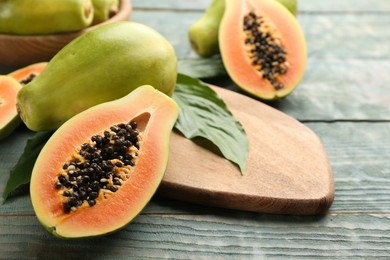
(203, 114)
(202, 68)
(21, 172)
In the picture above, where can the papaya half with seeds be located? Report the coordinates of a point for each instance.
(9, 119)
(203, 34)
(10, 85)
(40, 17)
(101, 65)
(262, 47)
(100, 168)
(27, 74)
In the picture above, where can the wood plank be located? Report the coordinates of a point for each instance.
(216, 236)
(359, 154)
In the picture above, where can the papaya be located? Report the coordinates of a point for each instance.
(100, 168)
(39, 17)
(104, 10)
(203, 34)
(9, 119)
(27, 74)
(101, 65)
(10, 85)
(267, 57)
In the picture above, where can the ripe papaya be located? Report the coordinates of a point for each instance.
(203, 34)
(25, 17)
(100, 168)
(10, 85)
(9, 119)
(104, 10)
(101, 65)
(28, 73)
(267, 57)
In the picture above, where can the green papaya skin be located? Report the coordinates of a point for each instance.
(104, 10)
(40, 17)
(203, 34)
(101, 65)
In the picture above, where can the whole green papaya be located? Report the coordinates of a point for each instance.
(27, 17)
(104, 10)
(103, 64)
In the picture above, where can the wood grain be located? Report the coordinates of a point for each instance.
(213, 236)
(23, 50)
(288, 171)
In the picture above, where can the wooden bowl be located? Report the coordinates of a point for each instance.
(22, 50)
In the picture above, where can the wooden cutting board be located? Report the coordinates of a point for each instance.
(288, 171)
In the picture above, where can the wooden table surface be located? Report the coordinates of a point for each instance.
(344, 98)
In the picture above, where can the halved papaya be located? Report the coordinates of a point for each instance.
(9, 119)
(262, 47)
(28, 73)
(102, 166)
(9, 88)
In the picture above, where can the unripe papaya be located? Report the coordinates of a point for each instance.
(203, 34)
(101, 65)
(28, 17)
(104, 10)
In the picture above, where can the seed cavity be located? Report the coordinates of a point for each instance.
(99, 167)
(28, 79)
(265, 49)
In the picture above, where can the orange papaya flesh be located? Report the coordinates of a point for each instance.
(28, 73)
(9, 119)
(155, 114)
(262, 47)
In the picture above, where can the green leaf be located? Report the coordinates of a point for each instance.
(203, 114)
(21, 173)
(202, 68)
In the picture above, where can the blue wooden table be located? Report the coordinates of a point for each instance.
(344, 98)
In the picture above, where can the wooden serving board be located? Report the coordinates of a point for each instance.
(288, 171)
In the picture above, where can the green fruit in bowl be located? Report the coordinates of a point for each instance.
(40, 17)
(104, 10)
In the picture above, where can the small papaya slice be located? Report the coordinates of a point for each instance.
(40, 17)
(9, 119)
(102, 166)
(262, 47)
(27, 74)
